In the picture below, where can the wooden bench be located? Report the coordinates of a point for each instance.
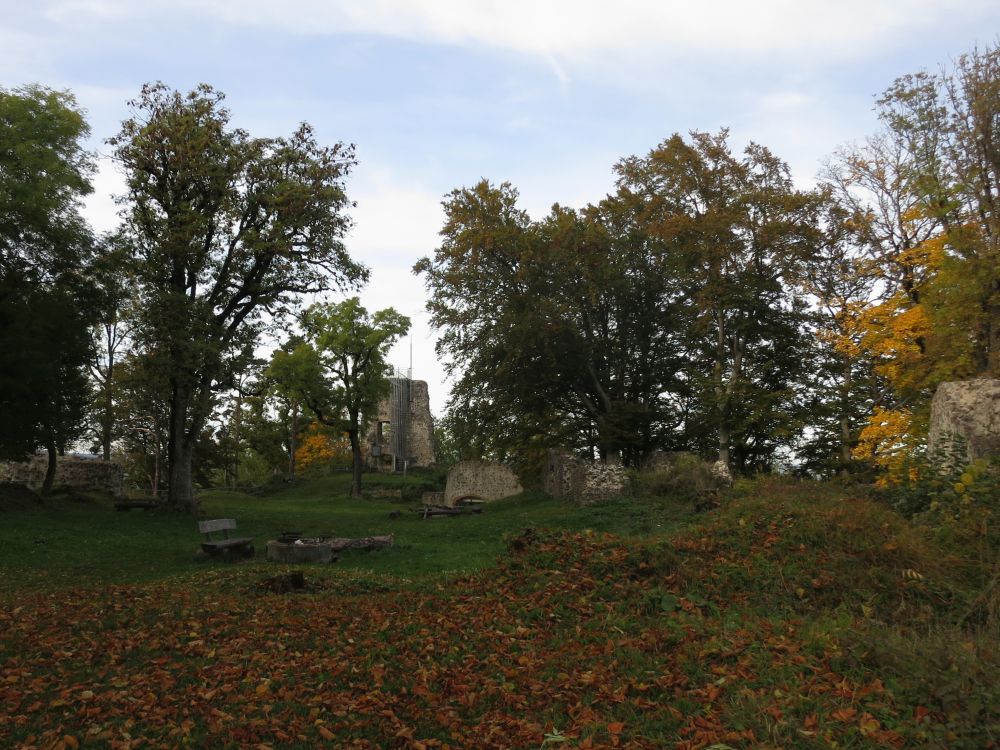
(437, 511)
(235, 545)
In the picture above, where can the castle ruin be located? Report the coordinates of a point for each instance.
(401, 435)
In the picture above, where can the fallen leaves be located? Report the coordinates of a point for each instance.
(555, 636)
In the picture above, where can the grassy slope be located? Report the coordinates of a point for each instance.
(68, 542)
(784, 620)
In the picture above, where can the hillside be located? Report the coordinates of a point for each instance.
(794, 617)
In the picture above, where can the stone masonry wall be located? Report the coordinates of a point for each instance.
(968, 410)
(559, 475)
(419, 433)
(482, 480)
(80, 474)
(585, 482)
(421, 427)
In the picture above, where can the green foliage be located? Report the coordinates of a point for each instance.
(225, 227)
(44, 172)
(339, 370)
(599, 328)
(45, 300)
(946, 489)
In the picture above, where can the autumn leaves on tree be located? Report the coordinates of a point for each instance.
(707, 304)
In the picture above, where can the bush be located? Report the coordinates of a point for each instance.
(683, 476)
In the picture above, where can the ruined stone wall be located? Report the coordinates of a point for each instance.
(419, 425)
(559, 476)
(967, 410)
(601, 482)
(420, 436)
(80, 474)
(586, 482)
(482, 480)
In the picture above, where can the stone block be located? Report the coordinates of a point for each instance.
(480, 480)
(85, 475)
(299, 552)
(586, 482)
(966, 412)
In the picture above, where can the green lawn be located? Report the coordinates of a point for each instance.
(66, 542)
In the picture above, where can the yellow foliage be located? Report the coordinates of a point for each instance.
(319, 447)
(888, 441)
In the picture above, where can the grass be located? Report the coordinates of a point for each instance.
(782, 620)
(73, 540)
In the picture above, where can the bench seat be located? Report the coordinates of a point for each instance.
(240, 545)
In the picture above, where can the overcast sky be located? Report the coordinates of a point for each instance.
(440, 93)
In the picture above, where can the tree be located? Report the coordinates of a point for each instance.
(843, 386)
(556, 327)
(739, 232)
(340, 371)
(142, 387)
(924, 194)
(663, 317)
(114, 309)
(283, 395)
(45, 300)
(228, 229)
(44, 173)
(44, 335)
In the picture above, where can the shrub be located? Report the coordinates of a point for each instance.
(683, 476)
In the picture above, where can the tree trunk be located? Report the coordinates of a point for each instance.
(845, 418)
(352, 435)
(724, 443)
(50, 469)
(180, 492)
(993, 351)
(156, 466)
(293, 439)
(237, 429)
(845, 441)
(107, 421)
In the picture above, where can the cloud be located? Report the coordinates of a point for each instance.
(99, 207)
(395, 222)
(591, 31)
(396, 287)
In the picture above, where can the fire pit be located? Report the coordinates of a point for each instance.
(288, 549)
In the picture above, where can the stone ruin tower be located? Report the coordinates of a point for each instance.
(401, 435)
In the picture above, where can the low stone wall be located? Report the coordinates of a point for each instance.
(80, 474)
(482, 480)
(586, 482)
(432, 498)
(966, 412)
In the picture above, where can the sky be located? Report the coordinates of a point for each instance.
(438, 94)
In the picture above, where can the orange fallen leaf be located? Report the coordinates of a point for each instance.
(845, 714)
(616, 727)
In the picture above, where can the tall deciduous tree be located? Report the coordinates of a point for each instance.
(559, 328)
(227, 228)
(740, 230)
(925, 193)
(114, 309)
(658, 318)
(340, 370)
(45, 300)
